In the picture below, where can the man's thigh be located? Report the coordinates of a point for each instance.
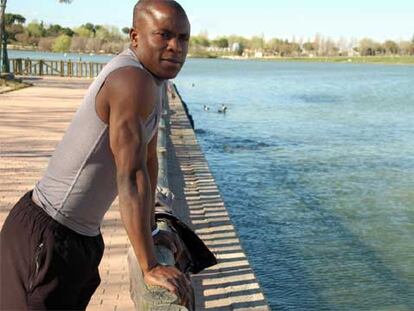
(44, 265)
(16, 240)
(66, 274)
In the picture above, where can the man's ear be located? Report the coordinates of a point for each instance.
(133, 36)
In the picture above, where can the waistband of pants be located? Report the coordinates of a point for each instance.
(37, 212)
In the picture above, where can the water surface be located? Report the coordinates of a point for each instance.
(316, 166)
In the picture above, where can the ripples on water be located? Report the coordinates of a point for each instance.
(316, 166)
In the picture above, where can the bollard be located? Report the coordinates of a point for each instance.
(152, 298)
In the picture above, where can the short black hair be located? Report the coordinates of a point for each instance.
(143, 7)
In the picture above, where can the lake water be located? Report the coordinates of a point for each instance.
(315, 162)
(60, 56)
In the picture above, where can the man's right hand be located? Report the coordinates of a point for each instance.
(172, 279)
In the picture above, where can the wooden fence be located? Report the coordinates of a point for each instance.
(29, 67)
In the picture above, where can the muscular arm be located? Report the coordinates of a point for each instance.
(126, 99)
(130, 97)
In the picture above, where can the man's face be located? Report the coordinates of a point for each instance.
(161, 42)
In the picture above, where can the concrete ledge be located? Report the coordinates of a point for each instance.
(231, 284)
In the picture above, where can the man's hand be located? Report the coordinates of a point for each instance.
(172, 279)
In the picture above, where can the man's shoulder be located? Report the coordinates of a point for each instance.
(130, 78)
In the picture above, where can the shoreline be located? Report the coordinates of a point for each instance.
(385, 60)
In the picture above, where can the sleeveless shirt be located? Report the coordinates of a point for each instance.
(79, 184)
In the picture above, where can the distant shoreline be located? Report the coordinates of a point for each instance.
(392, 59)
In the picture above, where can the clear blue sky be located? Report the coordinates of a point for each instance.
(379, 19)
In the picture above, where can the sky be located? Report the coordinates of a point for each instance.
(299, 19)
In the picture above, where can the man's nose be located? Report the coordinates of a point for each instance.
(175, 45)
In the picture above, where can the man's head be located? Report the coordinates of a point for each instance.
(159, 36)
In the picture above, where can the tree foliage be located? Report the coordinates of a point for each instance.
(10, 19)
(36, 29)
(90, 37)
(61, 44)
(220, 43)
(391, 47)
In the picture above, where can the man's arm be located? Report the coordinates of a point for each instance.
(130, 98)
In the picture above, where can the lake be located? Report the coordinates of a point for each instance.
(315, 162)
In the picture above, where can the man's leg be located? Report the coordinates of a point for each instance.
(89, 289)
(16, 256)
(67, 274)
(44, 265)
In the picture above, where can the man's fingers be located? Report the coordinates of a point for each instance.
(186, 289)
(173, 280)
(181, 287)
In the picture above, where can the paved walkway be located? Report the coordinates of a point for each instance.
(33, 120)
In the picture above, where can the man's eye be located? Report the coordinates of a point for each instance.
(164, 35)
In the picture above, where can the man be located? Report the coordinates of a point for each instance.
(50, 243)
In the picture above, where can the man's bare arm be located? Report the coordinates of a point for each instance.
(130, 98)
(127, 108)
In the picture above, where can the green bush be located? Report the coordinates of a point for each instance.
(61, 44)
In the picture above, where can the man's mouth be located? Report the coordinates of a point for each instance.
(172, 60)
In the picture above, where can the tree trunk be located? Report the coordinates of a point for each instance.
(3, 38)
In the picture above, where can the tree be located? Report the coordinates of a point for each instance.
(84, 32)
(221, 43)
(55, 30)
(13, 25)
(200, 40)
(91, 27)
(61, 44)
(78, 44)
(46, 44)
(309, 46)
(257, 43)
(273, 46)
(125, 30)
(10, 19)
(368, 47)
(3, 38)
(36, 30)
(391, 47)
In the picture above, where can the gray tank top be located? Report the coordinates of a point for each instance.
(79, 184)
